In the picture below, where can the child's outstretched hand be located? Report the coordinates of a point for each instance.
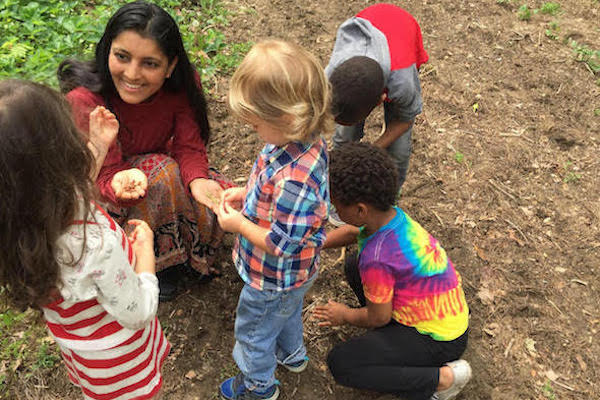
(330, 314)
(230, 219)
(103, 128)
(130, 184)
(234, 197)
(142, 243)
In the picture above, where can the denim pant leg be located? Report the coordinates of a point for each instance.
(344, 134)
(262, 315)
(400, 149)
(290, 342)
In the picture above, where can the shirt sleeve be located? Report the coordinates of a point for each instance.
(188, 147)
(129, 297)
(298, 217)
(82, 103)
(404, 95)
(378, 282)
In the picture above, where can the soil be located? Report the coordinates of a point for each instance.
(504, 172)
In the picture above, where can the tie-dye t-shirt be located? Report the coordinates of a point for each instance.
(404, 264)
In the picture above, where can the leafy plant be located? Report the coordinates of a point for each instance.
(586, 55)
(46, 358)
(550, 8)
(524, 13)
(459, 157)
(570, 176)
(548, 391)
(37, 35)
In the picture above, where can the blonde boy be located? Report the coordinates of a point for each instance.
(281, 90)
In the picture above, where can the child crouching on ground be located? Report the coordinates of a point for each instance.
(281, 90)
(410, 294)
(64, 254)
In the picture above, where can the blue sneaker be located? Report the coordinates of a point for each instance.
(296, 367)
(234, 389)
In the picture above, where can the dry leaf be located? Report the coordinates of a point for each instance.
(480, 253)
(581, 363)
(486, 296)
(551, 375)
(191, 374)
(492, 329)
(530, 347)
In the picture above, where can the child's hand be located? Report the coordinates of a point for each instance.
(230, 219)
(207, 192)
(142, 235)
(142, 243)
(234, 197)
(331, 314)
(130, 184)
(103, 128)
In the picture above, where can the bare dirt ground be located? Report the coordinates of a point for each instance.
(505, 173)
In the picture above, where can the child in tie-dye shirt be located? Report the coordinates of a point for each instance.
(407, 287)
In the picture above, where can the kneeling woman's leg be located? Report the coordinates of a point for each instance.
(393, 359)
(185, 232)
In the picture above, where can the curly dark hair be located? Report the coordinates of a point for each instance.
(357, 86)
(45, 180)
(363, 173)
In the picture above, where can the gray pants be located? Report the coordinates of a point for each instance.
(399, 150)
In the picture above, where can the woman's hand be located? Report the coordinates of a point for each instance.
(130, 184)
(142, 243)
(234, 197)
(230, 219)
(103, 128)
(331, 314)
(207, 192)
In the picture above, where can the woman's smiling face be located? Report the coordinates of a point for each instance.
(138, 66)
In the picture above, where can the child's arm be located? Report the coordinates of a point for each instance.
(103, 129)
(129, 295)
(393, 131)
(142, 243)
(232, 220)
(342, 236)
(372, 316)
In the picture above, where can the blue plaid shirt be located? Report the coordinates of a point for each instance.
(288, 194)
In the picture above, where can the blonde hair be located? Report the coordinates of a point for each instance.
(278, 80)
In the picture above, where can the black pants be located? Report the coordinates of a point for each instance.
(392, 359)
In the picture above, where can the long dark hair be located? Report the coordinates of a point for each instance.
(44, 183)
(149, 21)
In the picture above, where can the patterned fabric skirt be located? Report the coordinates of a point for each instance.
(185, 232)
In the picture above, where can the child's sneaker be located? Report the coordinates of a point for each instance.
(296, 367)
(234, 389)
(462, 373)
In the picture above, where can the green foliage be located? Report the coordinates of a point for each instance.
(550, 8)
(548, 390)
(552, 30)
(46, 358)
(570, 176)
(459, 157)
(524, 13)
(35, 36)
(597, 112)
(586, 55)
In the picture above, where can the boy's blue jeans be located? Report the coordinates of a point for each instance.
(268, 329)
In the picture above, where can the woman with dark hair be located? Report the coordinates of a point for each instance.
(157, 170)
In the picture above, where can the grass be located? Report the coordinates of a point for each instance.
(38, 35)
(550, 8)
(524, 13)
(24, 348)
